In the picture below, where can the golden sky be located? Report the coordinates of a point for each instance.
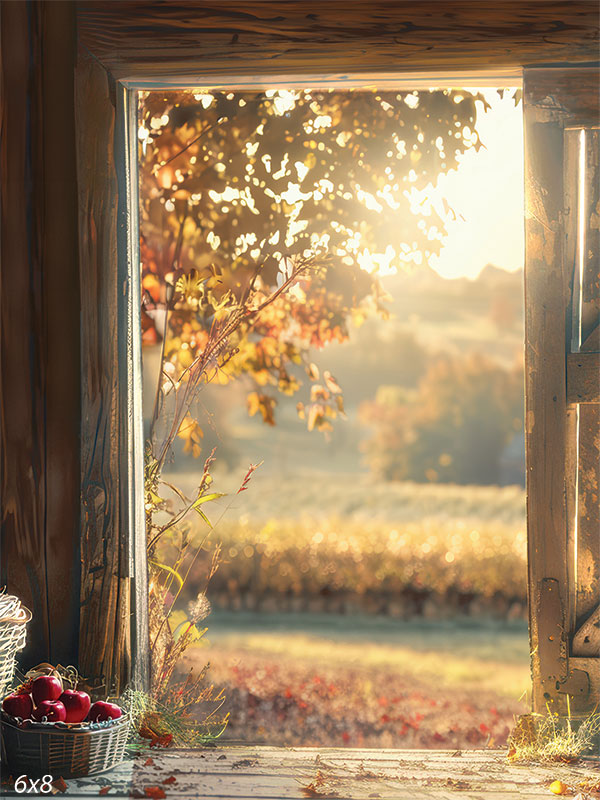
(487, 194)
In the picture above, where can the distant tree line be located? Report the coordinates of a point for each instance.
(452, 428)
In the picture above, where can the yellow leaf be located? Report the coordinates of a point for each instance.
(313, 372)
(192, 434)
(176, 618)
(253, 403)
(168, 569)
(340, 404)
(222, 377)
(331, 383)
(558, 787)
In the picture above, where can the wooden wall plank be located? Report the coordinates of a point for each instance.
(590, 287)
(570, 194)
(40, 379)
(587, 588)
(144, 39)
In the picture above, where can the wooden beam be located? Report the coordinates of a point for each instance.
(141, 40)
(40, 367)
(105, 589)
(583, 378)
(547, 276)
(114, 648)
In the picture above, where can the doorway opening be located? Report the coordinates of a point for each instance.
(332, 289)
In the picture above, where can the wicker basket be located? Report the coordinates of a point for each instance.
(13, 621)
(62, 750)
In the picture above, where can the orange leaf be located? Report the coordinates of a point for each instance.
(172, 779)
(162, 741)
(155, 792)
(60, 785)
(149, 762)
(104, 790)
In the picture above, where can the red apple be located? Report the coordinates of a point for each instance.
(18, 705)
(46, 687)
(53, 710)
(102, 711)
(77, 705)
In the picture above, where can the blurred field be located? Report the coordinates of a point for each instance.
(302, 679)
(343, 544)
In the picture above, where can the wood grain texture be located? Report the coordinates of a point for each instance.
(40, 379)
(139, 39)
(586, 641)
(583, 377)
(278, 773)
(583, 386)
(555, 98)
(590, 285)
(105, 589)
(587, 587)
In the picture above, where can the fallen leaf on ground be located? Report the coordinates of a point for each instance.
(456, 783)
(589, 784)
(313, 791)
(245, 762)
(162, 741)
(59, 785)
(104, 790)
(155, 792)
(172, 779)
(319, 787)
(558, 787)
(149, 762)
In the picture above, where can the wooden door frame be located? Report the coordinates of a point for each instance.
(137, 42)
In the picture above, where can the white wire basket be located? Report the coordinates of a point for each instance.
(13, 633)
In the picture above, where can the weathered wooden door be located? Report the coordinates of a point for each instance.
(562, 286)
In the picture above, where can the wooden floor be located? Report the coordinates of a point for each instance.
(269, 773)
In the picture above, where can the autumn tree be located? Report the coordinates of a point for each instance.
(237, 186)
(452, 428)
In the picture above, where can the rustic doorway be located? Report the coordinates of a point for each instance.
(178, 147)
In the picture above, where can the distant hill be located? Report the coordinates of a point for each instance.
(485, 314)
(430, 314)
